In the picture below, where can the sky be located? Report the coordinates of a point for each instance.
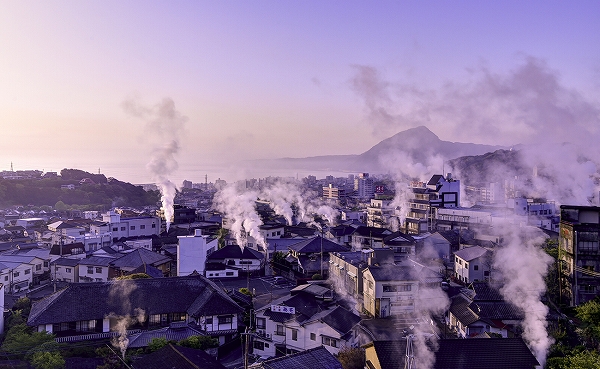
(97, 85)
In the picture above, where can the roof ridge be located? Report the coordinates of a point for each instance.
(183, 356)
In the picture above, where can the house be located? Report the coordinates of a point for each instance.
(305, 319)
(402, 244)
(472, 264)
(340, 234)
(244, 259)
(91, 310)
(482, 310)
(95, 269)
(311, 256)
(315, 358)
(346, 271)
(490, 353)
(369, 237)
(393, 288)
(19, 272)
(178, 357)
(136, 258)
(65, 269)
(124, 227)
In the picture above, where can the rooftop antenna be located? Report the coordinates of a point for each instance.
(11, 167)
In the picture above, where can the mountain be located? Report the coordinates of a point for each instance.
(495, 166)
(415, 145)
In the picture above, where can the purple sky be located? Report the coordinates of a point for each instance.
(257, 79)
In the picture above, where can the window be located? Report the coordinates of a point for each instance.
(261, 323)
(123, 228)
(328, 341)
(279, 331)
(294, 335)
(68, 270)
(486, 273)
(115, 229)
(389, 288)
(45, 264)
(475, 267)
(90, 270)
(98, 269)
(313, 336)
(226, 319)
(6, 278)
(259, 345)
(38, 267)
(16, 274)
(404, 288)
(132, 228)
(228, 273)
(27, 271)
(153, 225)
(143, 226)
(154, 319)
(98, 279)
(208, 320)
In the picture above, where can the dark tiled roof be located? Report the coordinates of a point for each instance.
(66, 262)
(398, 239)
(195, 295)
(97, 260)
(374, 232)
(471, 253)
(485, 292)
(149, 270)
(316, 358)
(140, 256)
(177, 357)
(341, 320)
(393, 273)
(341, 230)
(459, 307)
(313, 245)
(435, 179)
(142, 339)
(491, 353)
(235, 252)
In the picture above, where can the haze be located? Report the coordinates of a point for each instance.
(267, 79)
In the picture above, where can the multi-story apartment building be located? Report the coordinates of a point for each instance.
(118, 227)
(579, 253)
(332, 192)
(440, 192)
(364, 187)
(379, 213)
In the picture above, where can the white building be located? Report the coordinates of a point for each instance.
(143, 226)
(192, 252)
(364, 187)
(472, 264)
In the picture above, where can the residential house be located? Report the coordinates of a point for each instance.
(315, 358)
(346, 271)
(245, 260)
(402, 244)
(341, 234)
(65, 269)
(472, 264)
(133, 259)
(20, 272)
(95, 309)
(96, 269)
(393, 288)
(369, 237)
(305, 319)
(482, 310)
(491, 353)
(125, 227)
(311, 256)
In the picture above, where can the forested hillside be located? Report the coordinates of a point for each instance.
(98, 191)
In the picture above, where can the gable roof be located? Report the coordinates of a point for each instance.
(194, 295)
(177, 357)
(236, 252)
(316, 358)
(489, 353)
(471, 253)
(140, 256)
(313, 245)
(373, 232)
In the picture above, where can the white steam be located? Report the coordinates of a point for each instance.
(164, 128)
(522, 265)
(121, 324)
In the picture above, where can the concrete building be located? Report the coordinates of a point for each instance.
(192, 252)
(364, 186)
(579, 253)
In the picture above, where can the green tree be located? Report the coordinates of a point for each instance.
(585, 359)
(221, 235)
(134, 276)
(60, 206)
(19, 340)
(157, 343)
(47, 360)
(352, 358)
(199, 342)
(589, 314)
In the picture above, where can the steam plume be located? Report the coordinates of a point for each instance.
(522, 266)
(164, 127)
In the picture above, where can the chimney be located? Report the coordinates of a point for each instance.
(197, 233)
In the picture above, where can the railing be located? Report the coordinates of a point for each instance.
(94, 336)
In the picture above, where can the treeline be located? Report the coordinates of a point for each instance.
(98, 192)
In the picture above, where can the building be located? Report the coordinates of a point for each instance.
(192, 252)
(364, 187)
(331, 192)
(379, 213)
(121, 227)
(315, 358)
(440, 192)
(579, 253)
(472, 264)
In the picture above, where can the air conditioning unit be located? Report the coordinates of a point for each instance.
(268, 335)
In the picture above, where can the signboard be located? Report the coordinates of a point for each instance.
(283, 309)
